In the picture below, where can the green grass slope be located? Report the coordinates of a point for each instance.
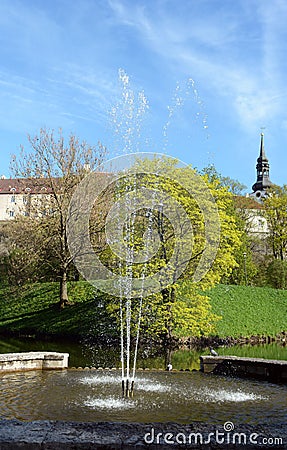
(248, 311)
(33, 309)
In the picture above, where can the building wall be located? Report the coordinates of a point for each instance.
(11, 205)
(257, 224)
(21, 196)
(34, 205)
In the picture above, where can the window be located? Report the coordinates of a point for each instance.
(11, 213)
(13, 199)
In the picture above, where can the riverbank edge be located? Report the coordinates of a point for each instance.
(59, 435)
(196, 343)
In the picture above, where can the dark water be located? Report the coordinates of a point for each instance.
(89, 355)
(183, 397)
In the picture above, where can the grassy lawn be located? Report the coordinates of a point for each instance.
(248, 311)
(33, 309)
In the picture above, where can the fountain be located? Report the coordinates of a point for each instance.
(174, 397)
(136, 180)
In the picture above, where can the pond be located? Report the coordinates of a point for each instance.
(159, 396)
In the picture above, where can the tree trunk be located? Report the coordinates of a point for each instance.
(64, 299)
(168, 352)
(168, 295)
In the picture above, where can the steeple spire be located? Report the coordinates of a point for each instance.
(263, 181)
(262, 150)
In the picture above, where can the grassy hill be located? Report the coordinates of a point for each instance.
(248, 311)
(33, 310)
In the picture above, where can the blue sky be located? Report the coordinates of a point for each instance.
(213, 73)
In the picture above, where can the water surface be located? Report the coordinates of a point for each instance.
(90, 395)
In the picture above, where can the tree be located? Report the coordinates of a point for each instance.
(53, 167)
(181, 307)
(23, 256)
(234, 186)
(277, 274)
(275, 211)
(245, 270)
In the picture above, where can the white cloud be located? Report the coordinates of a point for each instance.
(239, 57)
(59, 62)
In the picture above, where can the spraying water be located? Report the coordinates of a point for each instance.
(127, 118)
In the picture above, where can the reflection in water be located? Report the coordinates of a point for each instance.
(160, 397)
(92, 355)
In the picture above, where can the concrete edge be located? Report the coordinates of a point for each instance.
(22, 361)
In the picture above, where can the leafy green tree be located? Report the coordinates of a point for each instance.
(181, 307)
(53, 167)
(245, 270)
(234, 186)
(277, 274)
(275, 211)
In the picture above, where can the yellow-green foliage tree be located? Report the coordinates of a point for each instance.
(181, 307)
(246, 270)
(275, 211)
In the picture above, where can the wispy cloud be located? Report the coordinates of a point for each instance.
(60, 59)
(211, 46)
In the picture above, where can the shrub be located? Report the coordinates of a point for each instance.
(277, 274)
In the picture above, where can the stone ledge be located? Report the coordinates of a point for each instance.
(12, 362)
(259, 368)
(58, 435)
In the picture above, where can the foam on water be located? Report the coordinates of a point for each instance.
(109, 403)
(150, 386)
(141, 383)
(102, 379)
(223, 395)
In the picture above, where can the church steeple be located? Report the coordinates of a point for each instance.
(262, 150)
(263, 182)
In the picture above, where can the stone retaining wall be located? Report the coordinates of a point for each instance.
(261, 369)
(58, 435)
(12, 362)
